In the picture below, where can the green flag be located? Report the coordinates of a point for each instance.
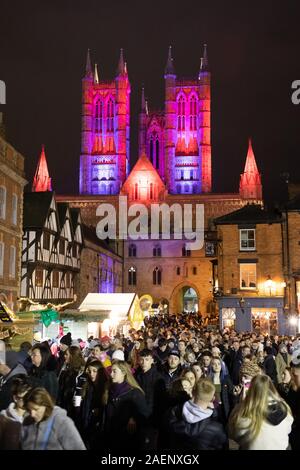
(48, 316)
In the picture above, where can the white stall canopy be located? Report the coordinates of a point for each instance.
(113, 306)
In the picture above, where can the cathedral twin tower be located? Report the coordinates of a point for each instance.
(176, 141)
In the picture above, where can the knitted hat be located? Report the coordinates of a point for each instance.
(251, 369)
(67, 339)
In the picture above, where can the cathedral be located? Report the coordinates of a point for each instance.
(174, 165)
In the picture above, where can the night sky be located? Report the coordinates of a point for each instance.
(254, 56)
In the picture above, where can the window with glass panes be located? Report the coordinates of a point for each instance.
(248, 275)
(247, 239)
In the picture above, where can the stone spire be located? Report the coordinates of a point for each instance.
(96, 76)
(143, 101)
(42, 180)
(170, 70)
(122, 68)
(250, 181)
(88, 67)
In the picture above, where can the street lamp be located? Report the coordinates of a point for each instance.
(269, 284)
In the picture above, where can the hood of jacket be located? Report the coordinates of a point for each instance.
(10, 413)
(192, 413)
(19, 369)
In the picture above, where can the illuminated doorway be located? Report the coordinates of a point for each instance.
(228, 318)
(189, 299)
(265, 321)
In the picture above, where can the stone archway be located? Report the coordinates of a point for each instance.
(185, 296)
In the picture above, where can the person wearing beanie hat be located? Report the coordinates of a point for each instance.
(248, 371)
(65, 341)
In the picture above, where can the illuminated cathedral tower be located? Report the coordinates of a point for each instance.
(177, 141)
(104, 160)
(187, 130)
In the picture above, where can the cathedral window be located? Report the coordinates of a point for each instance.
(157, 276)
(98, 116)
(151, 150)
(157, 250)
(157, 153)
(151, 191)
(136, 191)
(110, 116)
(132, 251)
(132, 276)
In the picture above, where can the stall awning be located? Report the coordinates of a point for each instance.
(116, 306)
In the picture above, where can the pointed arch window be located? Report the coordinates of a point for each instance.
(193, 113)
(136, 191)
(132, 276)
(157, 276)
(110, 116)
(157, 250)
(151, 150)
(151, 193)
(98, 116)
(181, 108)
(132, 251)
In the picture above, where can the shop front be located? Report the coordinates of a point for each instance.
(264, 315)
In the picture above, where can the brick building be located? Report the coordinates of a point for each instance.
(12, 182)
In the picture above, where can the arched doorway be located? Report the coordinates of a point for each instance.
(185, 298)
(189, 300)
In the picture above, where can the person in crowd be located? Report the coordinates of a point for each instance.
(205, 359)
(282, 361)
(197, 369)
(100, 355)
(68, 378)
(235, 361)
(40, 374)
(172, 369)
(153, 385)
(11, 419)
(24, 355)
(47, 427)
(269, 364)
(162, 351)
(190, 375)
(248, 371)
(223, 388)
(293, 399)
(194, 425)
(92, 403)
(126, 410)
(263, 420)
(64, 343)
(8, 372)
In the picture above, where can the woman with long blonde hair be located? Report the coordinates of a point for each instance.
(263, 420)
(126, 409)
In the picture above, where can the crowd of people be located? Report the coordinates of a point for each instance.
(173, 384)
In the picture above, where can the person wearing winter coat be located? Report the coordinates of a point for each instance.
(282, 361)
(40, 375)
(47, 427)
(269, 364)
(195, 426)
(92, 401)
(224, 388)
(263, 420)
(67, 380)
(11, 419)
(7, 373)
(126, 410)
(172, 369)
